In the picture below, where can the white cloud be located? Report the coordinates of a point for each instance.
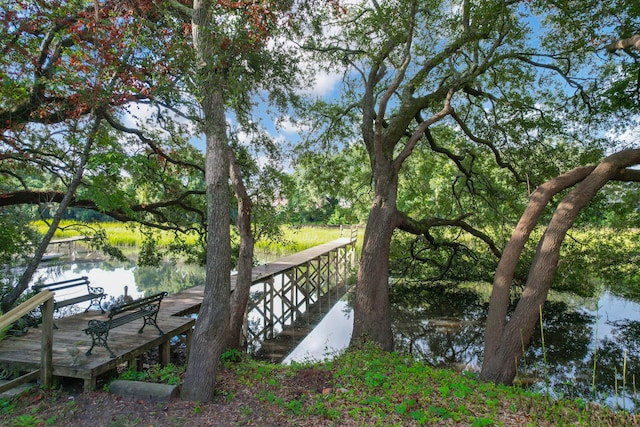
(325, 83)
(627, 138)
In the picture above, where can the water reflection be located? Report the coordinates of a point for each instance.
(441, 324)
(115, 276)
(444, 325)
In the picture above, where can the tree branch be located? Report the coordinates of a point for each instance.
(25, 197)
(417, 227)
(156, 149)
(487, 143)
(633, 41)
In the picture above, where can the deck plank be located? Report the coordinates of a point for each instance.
(70, 343)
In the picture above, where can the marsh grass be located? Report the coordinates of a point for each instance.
(118, 234)
(294, 238)
(298, 238)
(544, 355)
(595, 355)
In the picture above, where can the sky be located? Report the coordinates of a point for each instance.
(281, 128)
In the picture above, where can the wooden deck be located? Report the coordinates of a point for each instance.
(70, 343)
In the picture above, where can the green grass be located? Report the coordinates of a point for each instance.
(118, 234)
(294, 239)
(374, 388)
(361, 387)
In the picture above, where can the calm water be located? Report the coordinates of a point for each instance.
(444, 326)
(441, 324)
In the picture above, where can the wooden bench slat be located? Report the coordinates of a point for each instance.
(94, 294)
(76, 300)
(144, 308)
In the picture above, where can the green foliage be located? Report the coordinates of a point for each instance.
(372, 387)
(231, 356)
(169, 374)
(27, 420)
(591, 258)
(330, 188)
(7, 405)
(17, 235)
(149, 254)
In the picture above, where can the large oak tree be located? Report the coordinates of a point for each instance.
(414, 65)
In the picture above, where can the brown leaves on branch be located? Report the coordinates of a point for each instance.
(66, 62)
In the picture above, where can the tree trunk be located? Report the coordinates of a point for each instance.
(372, 309)
(209, 337)
(10, 299)
(505, 340)
(240, 295)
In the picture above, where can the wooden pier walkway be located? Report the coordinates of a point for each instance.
(22, 354)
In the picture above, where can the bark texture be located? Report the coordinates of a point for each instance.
(240, 296)
(209, 337)
(505, 339)
(372, 310)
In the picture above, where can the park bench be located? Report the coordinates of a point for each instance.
(144, 308)
(85, 292)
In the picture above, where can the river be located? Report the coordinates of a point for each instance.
(441, 324)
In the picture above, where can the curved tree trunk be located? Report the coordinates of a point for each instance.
(10, 299)
(505, 340)
(240, 296)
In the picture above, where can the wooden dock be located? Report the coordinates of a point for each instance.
(23, 354)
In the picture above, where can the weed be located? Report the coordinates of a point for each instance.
(374, 379)
(169, 374)
(624, 381)
(481, 422)
(231, 356)
(419, 416)
(7, 406)
(27, 420)
(295, 407)
(404, 406)
(124, 421)
(439, 412)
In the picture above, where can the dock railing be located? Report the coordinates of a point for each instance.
(280, 297)
(45, 299)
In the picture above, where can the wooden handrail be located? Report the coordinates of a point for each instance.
(44, 298)
(12, 315)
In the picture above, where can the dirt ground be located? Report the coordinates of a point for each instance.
(236, 405)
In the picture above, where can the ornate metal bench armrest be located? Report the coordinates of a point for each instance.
(97, 290)
(97, 327)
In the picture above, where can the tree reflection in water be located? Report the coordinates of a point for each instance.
(443, 324)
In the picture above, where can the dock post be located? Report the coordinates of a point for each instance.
(46, 358)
